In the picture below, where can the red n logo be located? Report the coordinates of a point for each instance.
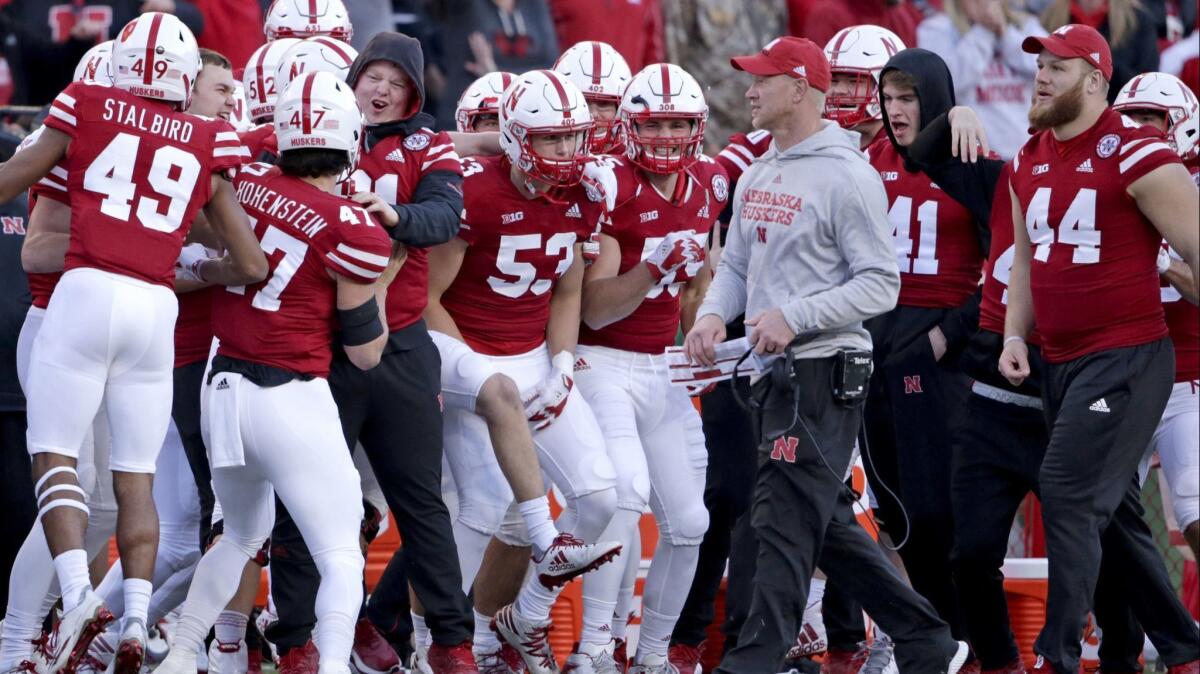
(912, 384)
(762, 234)
(785, 449)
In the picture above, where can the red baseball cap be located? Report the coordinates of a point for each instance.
(1075, 40)
(796, 57)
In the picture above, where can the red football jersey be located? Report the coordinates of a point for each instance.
(1093, 274)
(1183, 317)
(194, 326)
(392, 169)
(260, 141)
(640, 221)
(288, 319)
(937, 248)
(517, 250)
(742, 149)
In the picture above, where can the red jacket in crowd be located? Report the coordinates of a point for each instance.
(578, 20)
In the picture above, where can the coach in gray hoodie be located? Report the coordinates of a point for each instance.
(809, 258)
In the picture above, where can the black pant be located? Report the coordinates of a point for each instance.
(843, 617)
(916, 405)
(802, 511)
(185, 411)
(16, 493)
(732, 461)
(394, 411)
(1102, 409)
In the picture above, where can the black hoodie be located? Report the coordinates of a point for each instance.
(935, 91)
(431, 217)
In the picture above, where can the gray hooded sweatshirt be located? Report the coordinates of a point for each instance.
(810, 235)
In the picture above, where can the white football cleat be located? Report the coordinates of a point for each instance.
(131, 650)
(653, 664)
(178, 662)
(592, 659)
(528, 638)
(569, 557)
(419, 662)
(68, 643)
(231, 658)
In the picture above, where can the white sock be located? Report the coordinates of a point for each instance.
(72, 569)
(655, 634)
(30, 584)
(597, 621)
(216, 581)
(816, 592)
(421, 635)
(542, 532)
(137, 593)
(230, 627)
(535, 601)
(633, 548)
(602, 587)
(471, 545)
(485, 639)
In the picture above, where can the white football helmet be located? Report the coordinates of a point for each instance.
(308, 18)
(481, 98)
(238, 117)
(259, 78)
(96, 64)
(544, 102)
(315, 53)
(318, 111)
(663, 91)
(1169, 95)
(860, 52)
(601, 74)
(155, 56)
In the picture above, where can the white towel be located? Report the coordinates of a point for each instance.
(225, 448)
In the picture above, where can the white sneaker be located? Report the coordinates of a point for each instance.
(879, 658)
(263, 621)
(178, 662)
(527, 637)
(959, 659)
(653, 664)
(569, 557)
(68, 642)
(592, 659)
(812, 639)
(228, 658)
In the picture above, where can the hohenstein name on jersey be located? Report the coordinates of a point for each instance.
(128, 114)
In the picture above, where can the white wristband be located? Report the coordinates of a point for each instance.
(1164, 261)
(1013, 338)
(564, 361)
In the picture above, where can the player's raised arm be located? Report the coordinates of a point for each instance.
(23, 170)
(245, 262)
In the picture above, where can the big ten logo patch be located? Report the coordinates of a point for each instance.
(784, 449)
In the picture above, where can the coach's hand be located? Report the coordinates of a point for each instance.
(701, 339)
(549, 399)
(1014, 361)
(376, 206)
(769, 332)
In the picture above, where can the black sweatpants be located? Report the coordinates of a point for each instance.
(803, 512)
(394, 411)
(185, 412)
(16, 493)
(1102, 409)
(915, 406)
(729, 485)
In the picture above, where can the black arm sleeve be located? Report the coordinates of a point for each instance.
(433, 215)
(190, 15)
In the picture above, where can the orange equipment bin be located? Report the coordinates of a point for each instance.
(1025, 584)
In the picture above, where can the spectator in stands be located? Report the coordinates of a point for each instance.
(1182, 59)
(44, 40)
(1126, 24)
(480, 36)
(980, 40)
(820, 20)
(234, 29)
(637, 36)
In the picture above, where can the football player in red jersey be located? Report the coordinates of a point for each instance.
(269, 417)
(651, 252)
(918, 391)
(47, 237)
(602, 75)
(261, 90)
(1164, 102)
(516, 258)
(138, 171)
(1093, 196)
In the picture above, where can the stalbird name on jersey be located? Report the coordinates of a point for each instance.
(138, 117)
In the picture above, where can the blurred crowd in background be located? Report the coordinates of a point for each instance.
(980, 40)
